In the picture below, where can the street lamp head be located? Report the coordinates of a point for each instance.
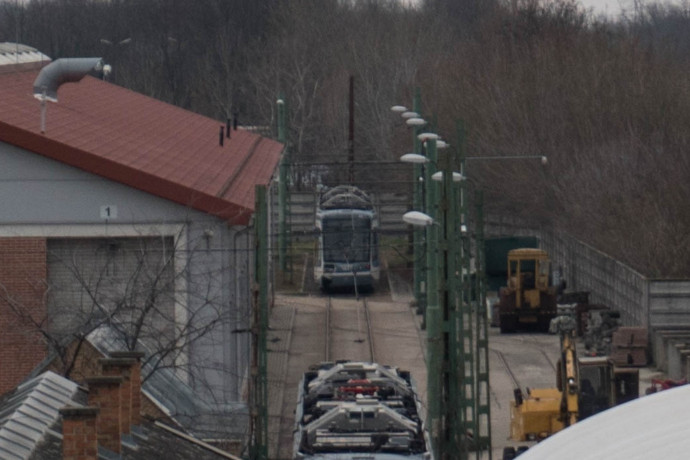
(399, 108)
(544, 160)
(409, 114)
(415, 121)
(414, 158)
(427, 136)
(438, 176)
(418, 219)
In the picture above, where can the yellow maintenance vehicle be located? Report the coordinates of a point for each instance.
(585, 386)
(528, 301)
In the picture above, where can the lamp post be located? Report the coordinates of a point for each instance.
(457, 331)
(443, 361)
(416, 122)
(283, 193)
(114, 54)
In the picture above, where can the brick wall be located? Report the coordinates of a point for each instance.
(82, 363)
(79, 435)
(119, 273)
(22, 290)
(104, 393)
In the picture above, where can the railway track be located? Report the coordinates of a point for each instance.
(348, 331)
(520, 367)
(341, 327)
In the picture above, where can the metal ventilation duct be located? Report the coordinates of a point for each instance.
(63, 71)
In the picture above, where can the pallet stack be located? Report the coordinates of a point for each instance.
(629, 346)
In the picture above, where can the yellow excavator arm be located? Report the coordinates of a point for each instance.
(570, 385)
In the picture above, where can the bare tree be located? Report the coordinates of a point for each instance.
(145, 290)
(605, 101)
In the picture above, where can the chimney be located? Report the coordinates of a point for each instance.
(121, 367)
(135, 381)
(79, 436)
(104, 393)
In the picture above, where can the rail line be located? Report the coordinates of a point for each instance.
(506, 366)
(327, 328)
(515, 365)
(348, 330)
(372, 353)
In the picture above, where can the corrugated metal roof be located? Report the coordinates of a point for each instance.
(16, 53)
(141, 142)
(175, 397)
(651, 427)
(30, 415)
(28, 412)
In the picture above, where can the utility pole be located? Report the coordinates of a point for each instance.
(433, 311)
(452, 364)
(283, 194)
(458, 416)
(482, 398)
(351, 133)
(258, 393)
(465, 349)
(418, 251)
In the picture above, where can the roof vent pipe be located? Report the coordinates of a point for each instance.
(63, 71)
(60, 71)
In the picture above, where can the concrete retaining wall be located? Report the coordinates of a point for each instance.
(662, 306)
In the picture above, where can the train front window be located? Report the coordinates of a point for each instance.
(346, 239)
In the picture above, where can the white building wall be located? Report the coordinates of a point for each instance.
(44, 198)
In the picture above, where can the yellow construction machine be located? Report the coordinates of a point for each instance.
(585, 386)
(528, 301)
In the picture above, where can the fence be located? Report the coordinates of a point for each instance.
(657, 304)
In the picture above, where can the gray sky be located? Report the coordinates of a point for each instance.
(614, 8)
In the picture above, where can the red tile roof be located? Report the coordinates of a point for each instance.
(140, 142)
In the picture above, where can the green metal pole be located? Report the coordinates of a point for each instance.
(259, 392)
(419, 251)
(282, 187)
(433, 312)
(465, 349)
(451, 448)
(483, 390)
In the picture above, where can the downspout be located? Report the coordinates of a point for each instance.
(237, 254)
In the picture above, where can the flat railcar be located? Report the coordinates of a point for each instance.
(358, 410)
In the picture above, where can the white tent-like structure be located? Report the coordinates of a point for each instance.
(656, 426)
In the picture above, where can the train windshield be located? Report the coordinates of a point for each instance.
(346, 239)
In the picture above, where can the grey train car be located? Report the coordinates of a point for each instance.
(347, 249)
(358, 410)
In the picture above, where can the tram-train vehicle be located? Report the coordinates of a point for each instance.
(347, 249)
(354, 410)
